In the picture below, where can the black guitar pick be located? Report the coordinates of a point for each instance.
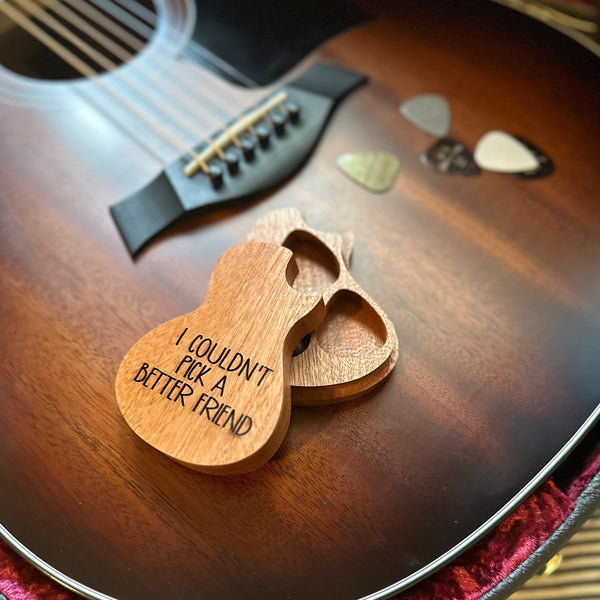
(450, 156)
(546, 165)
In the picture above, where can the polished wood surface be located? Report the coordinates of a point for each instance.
(492, 284)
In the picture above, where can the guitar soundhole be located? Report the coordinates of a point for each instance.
(117, 32)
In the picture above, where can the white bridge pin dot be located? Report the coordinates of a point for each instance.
(500, 152)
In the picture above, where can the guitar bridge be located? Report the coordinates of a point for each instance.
(270, 151)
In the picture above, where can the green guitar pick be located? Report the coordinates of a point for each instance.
(375, 171)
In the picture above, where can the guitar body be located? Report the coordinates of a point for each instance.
(492, 283)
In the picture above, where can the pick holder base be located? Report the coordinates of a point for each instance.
(355, 348)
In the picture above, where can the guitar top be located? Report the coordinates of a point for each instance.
(492, 283)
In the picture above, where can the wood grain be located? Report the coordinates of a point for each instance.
(492, 284)
(356, 347)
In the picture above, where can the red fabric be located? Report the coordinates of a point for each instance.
(494, 557)
(590, 468)
(20, 581)
(467, 578)
(489, 561)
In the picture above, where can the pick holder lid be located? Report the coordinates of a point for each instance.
(211, 389)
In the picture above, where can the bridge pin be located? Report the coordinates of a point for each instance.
(279, 121)
(233, 162)
(248, 149)
(216, 176)
(264, 135)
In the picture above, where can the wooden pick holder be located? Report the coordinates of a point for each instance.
(355, 348)
(211, 388)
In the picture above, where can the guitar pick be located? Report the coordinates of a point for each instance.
(450, 156)
(498, 151)
(375, 171)
(429, 112)
(546, 165)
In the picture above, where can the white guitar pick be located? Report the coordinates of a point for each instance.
(429, 112)
(498, 151)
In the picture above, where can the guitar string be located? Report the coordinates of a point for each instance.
(139, 10)
(108, 24)
(107, 64)
(124, 17)
(123, 54)
(110, 7)
(151, 18)
(84, 69)
(146, 32)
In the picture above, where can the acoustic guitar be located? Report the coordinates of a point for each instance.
(492, 283)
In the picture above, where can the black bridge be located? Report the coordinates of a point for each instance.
(272, 151)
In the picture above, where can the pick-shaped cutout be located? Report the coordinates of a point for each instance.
(429, 112)
(498, 151)
(375, 171)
